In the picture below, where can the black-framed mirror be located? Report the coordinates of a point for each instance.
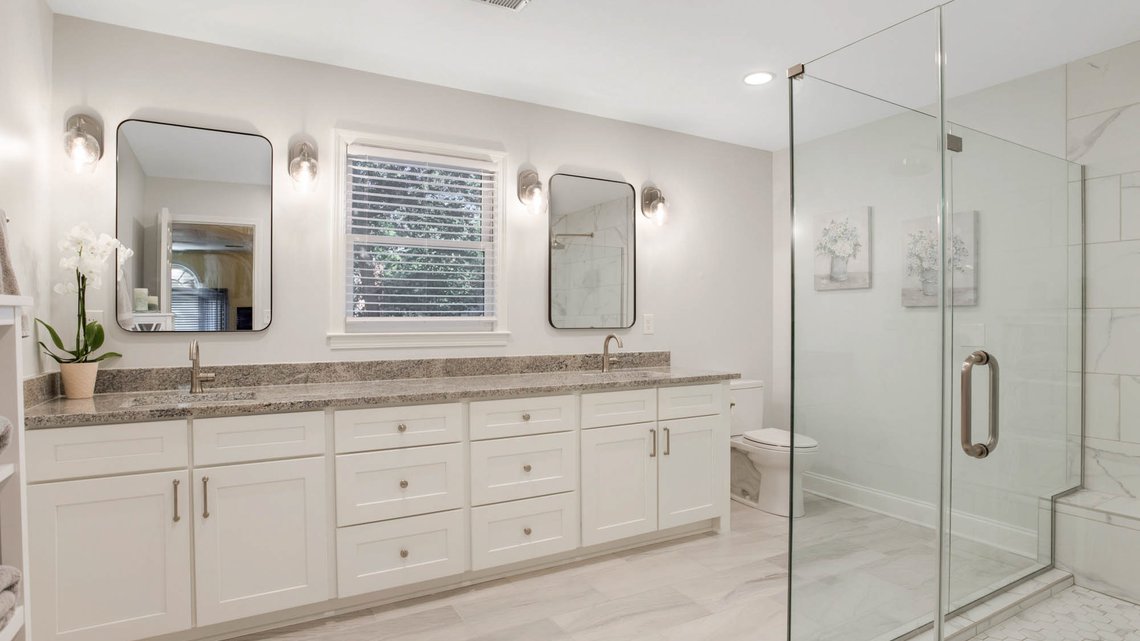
(592, 247)
(196, 206)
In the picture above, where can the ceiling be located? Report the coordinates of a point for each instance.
(672, 64)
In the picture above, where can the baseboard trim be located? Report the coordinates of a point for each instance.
(1020, 541)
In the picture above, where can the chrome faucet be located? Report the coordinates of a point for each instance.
(197, 376)
(607, 361)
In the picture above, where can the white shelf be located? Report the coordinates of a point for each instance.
(14, 625)
(15, 301)
(6, 471)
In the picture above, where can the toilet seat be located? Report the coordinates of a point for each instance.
(779, 439)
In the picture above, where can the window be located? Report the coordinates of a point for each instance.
(421, 238)
(196, 308)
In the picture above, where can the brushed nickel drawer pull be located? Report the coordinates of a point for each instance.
(526, 468)
(526, 531)
(653, 438)
(526, 417)
(403, 485)
(205, 497)
(403, 554)
(667, 441)
(177, 518)
(402, 427)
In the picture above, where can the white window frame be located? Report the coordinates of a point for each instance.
(380, 333)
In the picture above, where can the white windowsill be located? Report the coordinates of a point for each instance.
(397, 340)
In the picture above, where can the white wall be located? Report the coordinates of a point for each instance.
(25, 140)
(706, 275)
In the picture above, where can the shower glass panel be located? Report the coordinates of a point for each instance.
(867, 374)
(1008, 288)
(933, 219)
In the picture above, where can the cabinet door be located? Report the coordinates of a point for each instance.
(692, 465)
(261, 538)
(110, 557)
(619, 482)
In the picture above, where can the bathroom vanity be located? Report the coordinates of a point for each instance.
(152, 514)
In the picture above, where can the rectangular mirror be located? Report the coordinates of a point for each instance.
(196, 206)
(592, 269)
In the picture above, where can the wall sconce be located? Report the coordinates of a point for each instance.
(530, 191)
(653, 205)
(303, 166)
(83, 142)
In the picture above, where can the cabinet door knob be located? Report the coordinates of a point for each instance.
(526, 531)
(402, 427)
(526, 417)
(526, 468)
(403, 554)
(403, 485)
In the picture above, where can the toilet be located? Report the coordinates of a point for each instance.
(761, 456)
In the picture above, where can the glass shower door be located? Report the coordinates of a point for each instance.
(1012, 291)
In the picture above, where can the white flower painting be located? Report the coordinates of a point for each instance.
(843, 250)
(922, 256)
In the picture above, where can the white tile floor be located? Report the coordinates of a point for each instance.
(863, 574)
(1077, 614)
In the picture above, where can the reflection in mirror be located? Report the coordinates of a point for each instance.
(591, 253)
(196, 206)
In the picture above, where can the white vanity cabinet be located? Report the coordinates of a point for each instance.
(260, 538)
(650, 476)
(110, 557)
(146, 529)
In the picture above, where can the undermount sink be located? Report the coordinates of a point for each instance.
(179, 398)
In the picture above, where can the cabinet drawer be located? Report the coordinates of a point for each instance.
(690, 400)
(373, 486)
(523, 416)
(100, 450)
(619, 408)
(522, 530)
(385, 555)
(240, 439)
(523, 467)
(391, 427)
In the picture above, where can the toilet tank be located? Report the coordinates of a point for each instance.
(747, 405)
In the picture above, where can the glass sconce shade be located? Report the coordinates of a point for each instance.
(303, 166)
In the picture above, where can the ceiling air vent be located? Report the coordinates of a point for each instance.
(513, 5)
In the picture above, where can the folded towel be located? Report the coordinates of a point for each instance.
(8, 284)
(5, 438)
(7, 606)
(10, 578)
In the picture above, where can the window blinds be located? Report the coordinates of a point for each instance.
(199, 309)
(420, 236)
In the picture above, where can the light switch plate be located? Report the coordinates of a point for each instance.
(648, 324)
(95, 315)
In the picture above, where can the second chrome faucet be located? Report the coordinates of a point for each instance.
(608, 361)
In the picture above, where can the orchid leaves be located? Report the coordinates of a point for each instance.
(93, 337)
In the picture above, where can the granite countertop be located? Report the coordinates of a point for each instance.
(133, 407)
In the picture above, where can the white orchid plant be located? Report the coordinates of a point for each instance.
(84, 256)
(839, 238)
(922, 252)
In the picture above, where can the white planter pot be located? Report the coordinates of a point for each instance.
(78, 379)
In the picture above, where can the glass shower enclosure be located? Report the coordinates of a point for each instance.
(937, 327)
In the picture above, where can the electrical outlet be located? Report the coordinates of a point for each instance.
(648, 324)
(95, 315)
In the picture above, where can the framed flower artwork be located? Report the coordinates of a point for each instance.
(922, 254)
(843, 250)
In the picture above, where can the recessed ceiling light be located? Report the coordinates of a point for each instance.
(758, 78)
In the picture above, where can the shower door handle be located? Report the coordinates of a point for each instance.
(979, 450)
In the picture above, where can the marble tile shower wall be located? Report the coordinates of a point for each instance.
(1104, 136)
(588, 285)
